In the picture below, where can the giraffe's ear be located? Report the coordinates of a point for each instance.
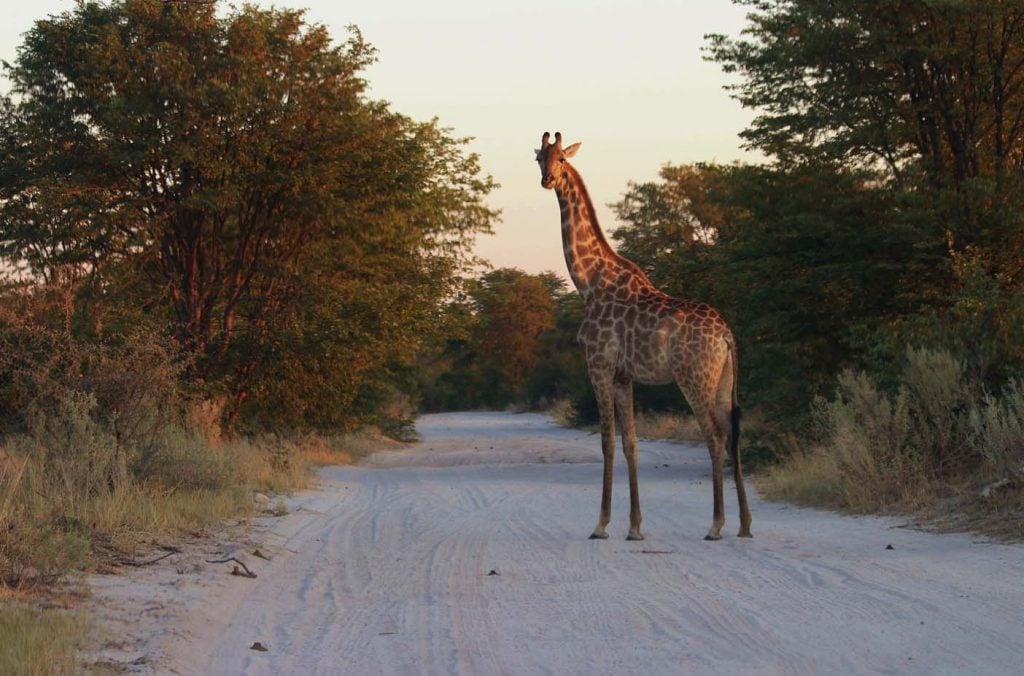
(571, 150)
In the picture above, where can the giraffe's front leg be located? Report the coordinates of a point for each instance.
(606, 408)
(624, 409)
(600, 532)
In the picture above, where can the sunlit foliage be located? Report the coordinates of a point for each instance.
(225, 172)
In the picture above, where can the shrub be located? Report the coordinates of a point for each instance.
(136, 381)
(102, 444)
(76, 452)
(181, 459)
(562, 411)
(40, 554)
(996, 431)
(33, 547)
(133, 376)
(868, 441)
(940, 397)
(878, 450)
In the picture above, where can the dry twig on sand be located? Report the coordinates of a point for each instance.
(138, 564)
(235, 570)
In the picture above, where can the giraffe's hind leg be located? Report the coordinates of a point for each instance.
(714, 425)
(741, 495)
(715, 433)
(730, 410)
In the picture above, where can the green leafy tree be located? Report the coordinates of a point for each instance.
(514, 309)
(226, 170)
(927, 93)
(794, 260)
(936, 81)
(496, 340)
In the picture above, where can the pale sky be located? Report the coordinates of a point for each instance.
(625, 77)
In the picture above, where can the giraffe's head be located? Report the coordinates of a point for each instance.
(551, 157)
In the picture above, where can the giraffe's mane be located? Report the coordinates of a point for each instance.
(609, 251)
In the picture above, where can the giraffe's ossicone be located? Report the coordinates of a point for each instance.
(632, 332)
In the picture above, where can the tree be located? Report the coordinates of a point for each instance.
(931, 81)
(495, 341)
(912, 114)
(676, 222)
(927, 93)
(229, 173)
(795, 259)
(514, 309)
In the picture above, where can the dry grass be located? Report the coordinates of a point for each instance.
(848, 483)
(816, 479)
(926, 449)
(806, 479)
(341, 449)
(39, 641)
(649, 425)
(189, 487)
(140, 512)
(1000, 516)
(562, 412)
(670, 426)
(192, 485)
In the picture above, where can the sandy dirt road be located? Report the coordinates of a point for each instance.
(387, 569)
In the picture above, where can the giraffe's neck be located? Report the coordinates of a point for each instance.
(588, 255)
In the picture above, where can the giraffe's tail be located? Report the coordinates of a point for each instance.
(734, 417)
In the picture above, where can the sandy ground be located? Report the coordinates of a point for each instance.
(468, 554)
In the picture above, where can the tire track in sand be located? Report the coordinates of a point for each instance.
(391, 575)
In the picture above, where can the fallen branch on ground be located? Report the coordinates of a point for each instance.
(138, 564)
(235, 571)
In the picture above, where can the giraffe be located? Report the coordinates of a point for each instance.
(632, 332)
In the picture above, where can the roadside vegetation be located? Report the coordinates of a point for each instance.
(223, 262)
(107, 453)
(937, 445)
(218, 260)
(38, 642)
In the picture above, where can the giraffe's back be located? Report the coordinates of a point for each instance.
(651, 337)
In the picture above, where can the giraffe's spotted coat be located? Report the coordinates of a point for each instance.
(632, 332)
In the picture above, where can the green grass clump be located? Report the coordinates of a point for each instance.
(40, 642)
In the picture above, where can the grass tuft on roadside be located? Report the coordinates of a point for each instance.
(40, 642)
(671, 426)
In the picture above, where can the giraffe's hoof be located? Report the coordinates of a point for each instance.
(599, 535)
(745, 533)
(635, 536)
(711, 538)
